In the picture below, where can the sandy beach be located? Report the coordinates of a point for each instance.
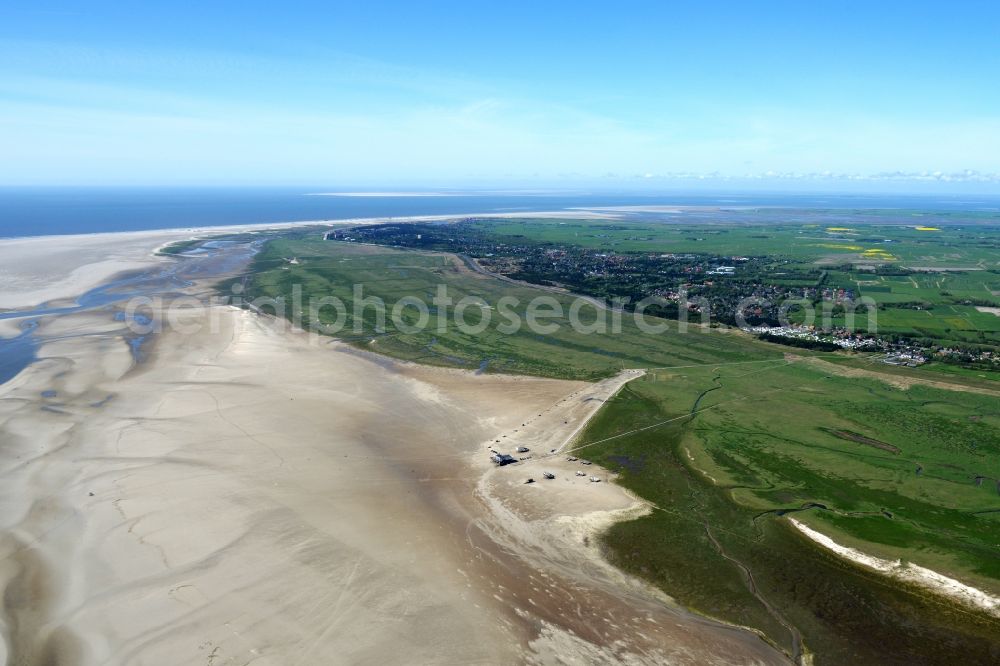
(252, 494)
(43, 269)
(908, 572)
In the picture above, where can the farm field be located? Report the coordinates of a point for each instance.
(946, 323)
(946, 306)
(949, 247)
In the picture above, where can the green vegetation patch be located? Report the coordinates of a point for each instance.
(314, 268)
(783, 440)
(743, 438)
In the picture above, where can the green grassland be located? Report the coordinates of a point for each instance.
(950, 247)
(933, 371)
(744, 436)
(327, 268)
(761, 442)
(947, 370)
(945, 300)
(899, 288)
(943, 323)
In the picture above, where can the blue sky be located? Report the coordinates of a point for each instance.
(457, 94)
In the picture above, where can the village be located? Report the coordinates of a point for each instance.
(763, 295)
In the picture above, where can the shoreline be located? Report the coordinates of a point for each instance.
(42, 269)
(252, 493)
(556, 526)
(583, 213)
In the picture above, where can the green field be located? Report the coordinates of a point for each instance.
(928, 305)
(332, 269)
(761, 442)
(952, 247)
(942, 323)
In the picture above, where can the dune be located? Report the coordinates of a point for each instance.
(909, 572)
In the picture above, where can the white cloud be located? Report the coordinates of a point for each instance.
(352, 119)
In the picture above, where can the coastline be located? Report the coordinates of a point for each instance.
(254, 493)
(41, 269)
(523, 519)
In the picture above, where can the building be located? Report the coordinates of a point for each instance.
(502, 459)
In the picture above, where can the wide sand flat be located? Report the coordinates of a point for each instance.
(253, 495)
(40, 269)
(250, 496)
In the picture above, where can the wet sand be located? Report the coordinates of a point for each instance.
(250, 494)
(46, 269)
(41, 269)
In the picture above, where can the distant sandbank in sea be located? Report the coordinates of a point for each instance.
(54, 211)
(38, 269)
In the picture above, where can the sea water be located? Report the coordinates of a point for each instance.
(47, 211)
